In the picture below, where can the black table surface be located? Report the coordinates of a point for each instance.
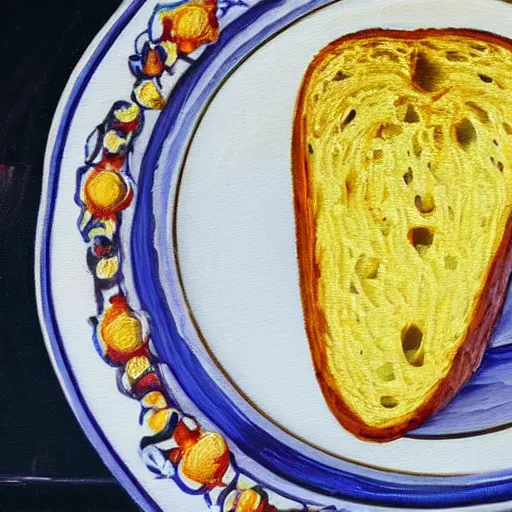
(46, 462)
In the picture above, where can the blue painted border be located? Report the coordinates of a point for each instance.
(43, 272)
(206, 394)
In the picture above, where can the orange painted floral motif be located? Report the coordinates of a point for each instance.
(106, 193)
(122, 332)
(191, 25)
(200, 460)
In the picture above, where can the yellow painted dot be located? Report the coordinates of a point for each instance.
(112, 142)
(123, 333)
(127, 114)
(207, 460)
(149, 96)
(155, 400)
(191, 25)
(171, 52)
(104, 191)
(136, 366)
(107, 268)
(157, 420)
(192, 22)
(248, 501)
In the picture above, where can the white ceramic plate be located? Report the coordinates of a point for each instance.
(208, 251)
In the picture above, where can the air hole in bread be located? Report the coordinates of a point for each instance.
(350, 117)
(353, 288)
(411, 116)
(412, 338)
(377, 154)
(485, 78)
(408, 176)
(493, 161)
(424, 204)
(310, 149)
(451, 213)
(479, 47)
(450, 262)
(455, 56)
(421, 238)
(481, 113)
(388, 402)
(387, 131)
(339, 76)
(500, 166)
(465, 133)
(427, 74)
(349, 187)
(367, 267)
(507, 128)
(495, 142)
(386, 372)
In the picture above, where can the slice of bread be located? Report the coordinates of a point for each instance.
(402, 168)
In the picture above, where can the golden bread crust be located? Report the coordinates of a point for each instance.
(490, 301)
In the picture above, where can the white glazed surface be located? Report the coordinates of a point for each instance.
(71, 280)
(236, 239)
(238, 263)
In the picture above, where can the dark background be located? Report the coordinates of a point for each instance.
(46, 462)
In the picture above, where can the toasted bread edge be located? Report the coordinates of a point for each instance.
(490, 303)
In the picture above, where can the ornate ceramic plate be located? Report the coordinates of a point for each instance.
(167, 274)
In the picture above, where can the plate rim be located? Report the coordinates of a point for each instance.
(55, 345)
(59, 131)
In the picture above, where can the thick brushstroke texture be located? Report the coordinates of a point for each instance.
(189, 372)
(401, 291)
(456, 490)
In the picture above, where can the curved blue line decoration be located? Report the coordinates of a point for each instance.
(254, 441)
(43, 274)
(301, 473)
